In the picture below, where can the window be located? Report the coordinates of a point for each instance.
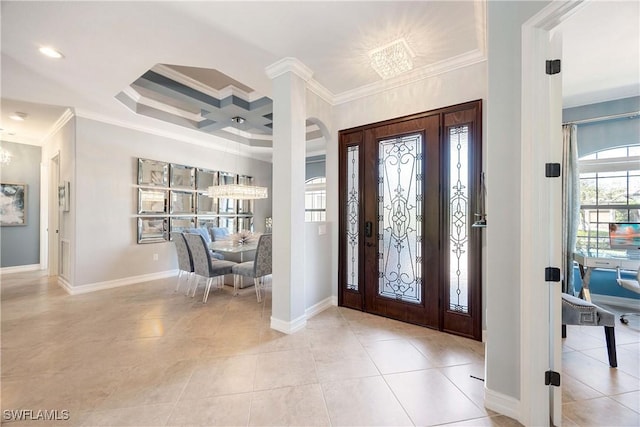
(315, 200)
(609, 192)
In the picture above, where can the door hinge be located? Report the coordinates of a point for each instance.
(551, 274)
(553, 66)
(552, 170)
(552, 378)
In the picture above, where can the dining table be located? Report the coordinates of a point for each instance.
(234, 251)
(230, 247)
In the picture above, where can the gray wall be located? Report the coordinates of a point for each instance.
(504, 30)
(598, 136)
(20, 245)
(106, 246)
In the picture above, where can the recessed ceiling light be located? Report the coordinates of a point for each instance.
(50, 52)
(392, 59)
(18, 116)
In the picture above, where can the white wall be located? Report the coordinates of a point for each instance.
(63, 144)
(317, 268)
(106, 199)
(504, 21)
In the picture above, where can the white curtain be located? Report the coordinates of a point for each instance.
(570, 203)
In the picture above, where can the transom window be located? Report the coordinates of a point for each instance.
(315, 200)
(609, 192)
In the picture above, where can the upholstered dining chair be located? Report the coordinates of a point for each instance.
(633, 286)
(256, 269)
(185, 261)
(576, 311)
(204, 265)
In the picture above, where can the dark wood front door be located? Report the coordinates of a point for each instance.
(407, 248)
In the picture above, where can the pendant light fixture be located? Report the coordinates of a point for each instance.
(237, 191)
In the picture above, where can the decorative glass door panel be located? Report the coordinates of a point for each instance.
(407, 197)
(352, 217)
(400, 218)
(458, 146)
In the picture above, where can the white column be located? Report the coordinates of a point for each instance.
(290, 78)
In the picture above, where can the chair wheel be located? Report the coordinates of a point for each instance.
(624, 321)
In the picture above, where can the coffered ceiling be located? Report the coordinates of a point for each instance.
(146, 64)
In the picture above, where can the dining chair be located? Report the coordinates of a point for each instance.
(185, 261)
(204, 265)
(256, 269)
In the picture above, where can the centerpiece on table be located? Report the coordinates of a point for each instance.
(244, 237)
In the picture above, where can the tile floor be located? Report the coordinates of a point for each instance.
(144, 355)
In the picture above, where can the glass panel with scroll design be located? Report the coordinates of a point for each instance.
(352, 219)
(459, 218)
(400, 163)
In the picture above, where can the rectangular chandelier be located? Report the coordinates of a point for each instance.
(392, 59)
(237, 191)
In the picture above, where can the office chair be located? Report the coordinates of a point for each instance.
(632, 285)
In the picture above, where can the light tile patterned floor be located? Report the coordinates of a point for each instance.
(145, 355)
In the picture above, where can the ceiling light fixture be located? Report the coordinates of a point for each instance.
(392, 59)
(5, 156)
(238, 192)
(50, 52)
(18, 116)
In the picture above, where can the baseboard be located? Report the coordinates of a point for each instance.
(502, 404)
(318, 308)
(629, 303)
(64, 284)
(20, 268)
(110, 284)
(289, 327)
(334, 300)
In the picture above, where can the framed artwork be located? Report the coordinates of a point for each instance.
(13, 204)
(182, 202)
(182, 176)
(63, 196)
(152, 172)
(152, 201)
(152, 229)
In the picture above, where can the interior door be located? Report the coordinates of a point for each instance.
(407, 248)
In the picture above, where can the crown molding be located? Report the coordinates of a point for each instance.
(212, 142)
(324, 93)
(289, 65)
(62, 120)
(464, 60)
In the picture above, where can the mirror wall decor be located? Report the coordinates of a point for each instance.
(173, 197)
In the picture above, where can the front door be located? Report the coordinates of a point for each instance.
(407, 197)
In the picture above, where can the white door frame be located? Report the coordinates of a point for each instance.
(53, 220)
(541, 210)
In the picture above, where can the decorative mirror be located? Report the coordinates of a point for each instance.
(207, 205)
(152, 229)
(245, 223)
(152, 201)
(152, 172)
(180, 224)
(182, 202)
(245, 206)
(205, 178)
(182, 176)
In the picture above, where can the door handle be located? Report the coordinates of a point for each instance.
(368, 229)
